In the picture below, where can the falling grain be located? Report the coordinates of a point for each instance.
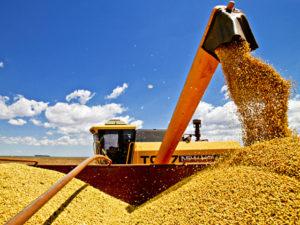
(260, 93)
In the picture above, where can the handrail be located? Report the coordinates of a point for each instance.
(19, 160)
(35, 205)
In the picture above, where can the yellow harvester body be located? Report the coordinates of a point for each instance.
(120, 142)
(204, 152)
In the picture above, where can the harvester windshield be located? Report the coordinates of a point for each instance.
(113, 140)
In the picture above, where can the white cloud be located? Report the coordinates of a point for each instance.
(49, 133)
(39, 123)
(130, 120)
(150, 86)
(4, 98)
(75, 118)
(218, 122)
(117, 91)
(294, 114)
(36, 122)
(21, 107)
(70, 138)
(1, 64)
(224, 90)
(17, 122)
(48, 125)
(61, 141)
(83, 96)
(137, 123)
(70, 120)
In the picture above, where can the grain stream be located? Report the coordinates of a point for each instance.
(258, 90)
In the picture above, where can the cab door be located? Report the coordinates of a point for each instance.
(115, 144)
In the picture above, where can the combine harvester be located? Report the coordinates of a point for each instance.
(133, 165)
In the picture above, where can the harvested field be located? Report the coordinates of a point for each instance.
(77, 203)
(260, 93)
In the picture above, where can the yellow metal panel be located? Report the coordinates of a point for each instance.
(203, 145)
(145, 152)
(95, 129)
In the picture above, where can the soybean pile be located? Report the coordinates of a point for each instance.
(243, 188)
(281, 155)
(258, 184)
(76, 203)
(258, 90)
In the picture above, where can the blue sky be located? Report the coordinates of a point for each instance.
(50, 49)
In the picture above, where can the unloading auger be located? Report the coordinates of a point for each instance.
(225, 25)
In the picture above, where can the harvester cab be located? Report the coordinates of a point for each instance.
(115, 140)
